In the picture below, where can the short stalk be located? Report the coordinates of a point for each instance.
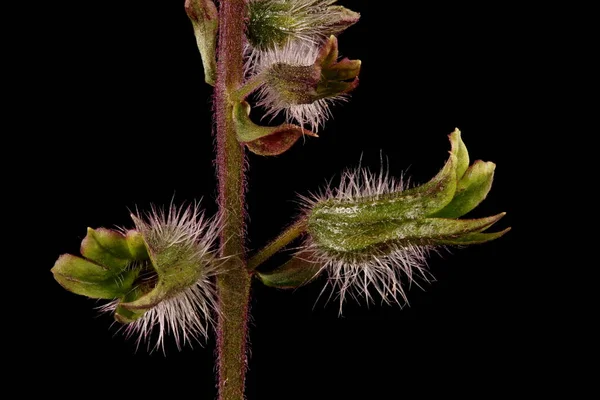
(285, 238)
(248, 87)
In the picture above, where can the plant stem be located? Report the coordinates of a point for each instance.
(233, 286)
(291, 233)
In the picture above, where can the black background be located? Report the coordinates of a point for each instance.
(126, 123)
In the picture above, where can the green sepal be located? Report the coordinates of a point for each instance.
(298, 271)
(160, 292)
(177, 268)
(360, 237)
(87, 278)
(205, 21)
(106, 247)
(474, 238)
(136, 245)
(80, 268)
(265, 140)
(462, 154)
(471, 191)
(413, 203)
(124, 315)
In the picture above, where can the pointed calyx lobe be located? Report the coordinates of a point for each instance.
(362, 227)
(103, 272)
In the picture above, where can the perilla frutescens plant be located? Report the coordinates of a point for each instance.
(180, 273)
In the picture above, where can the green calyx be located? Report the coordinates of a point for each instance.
(325, 78)
(133, 268)
(424, 215)
(272, 23)
(178, 266)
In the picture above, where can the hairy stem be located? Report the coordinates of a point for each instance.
(233, 286)
(291, 233)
